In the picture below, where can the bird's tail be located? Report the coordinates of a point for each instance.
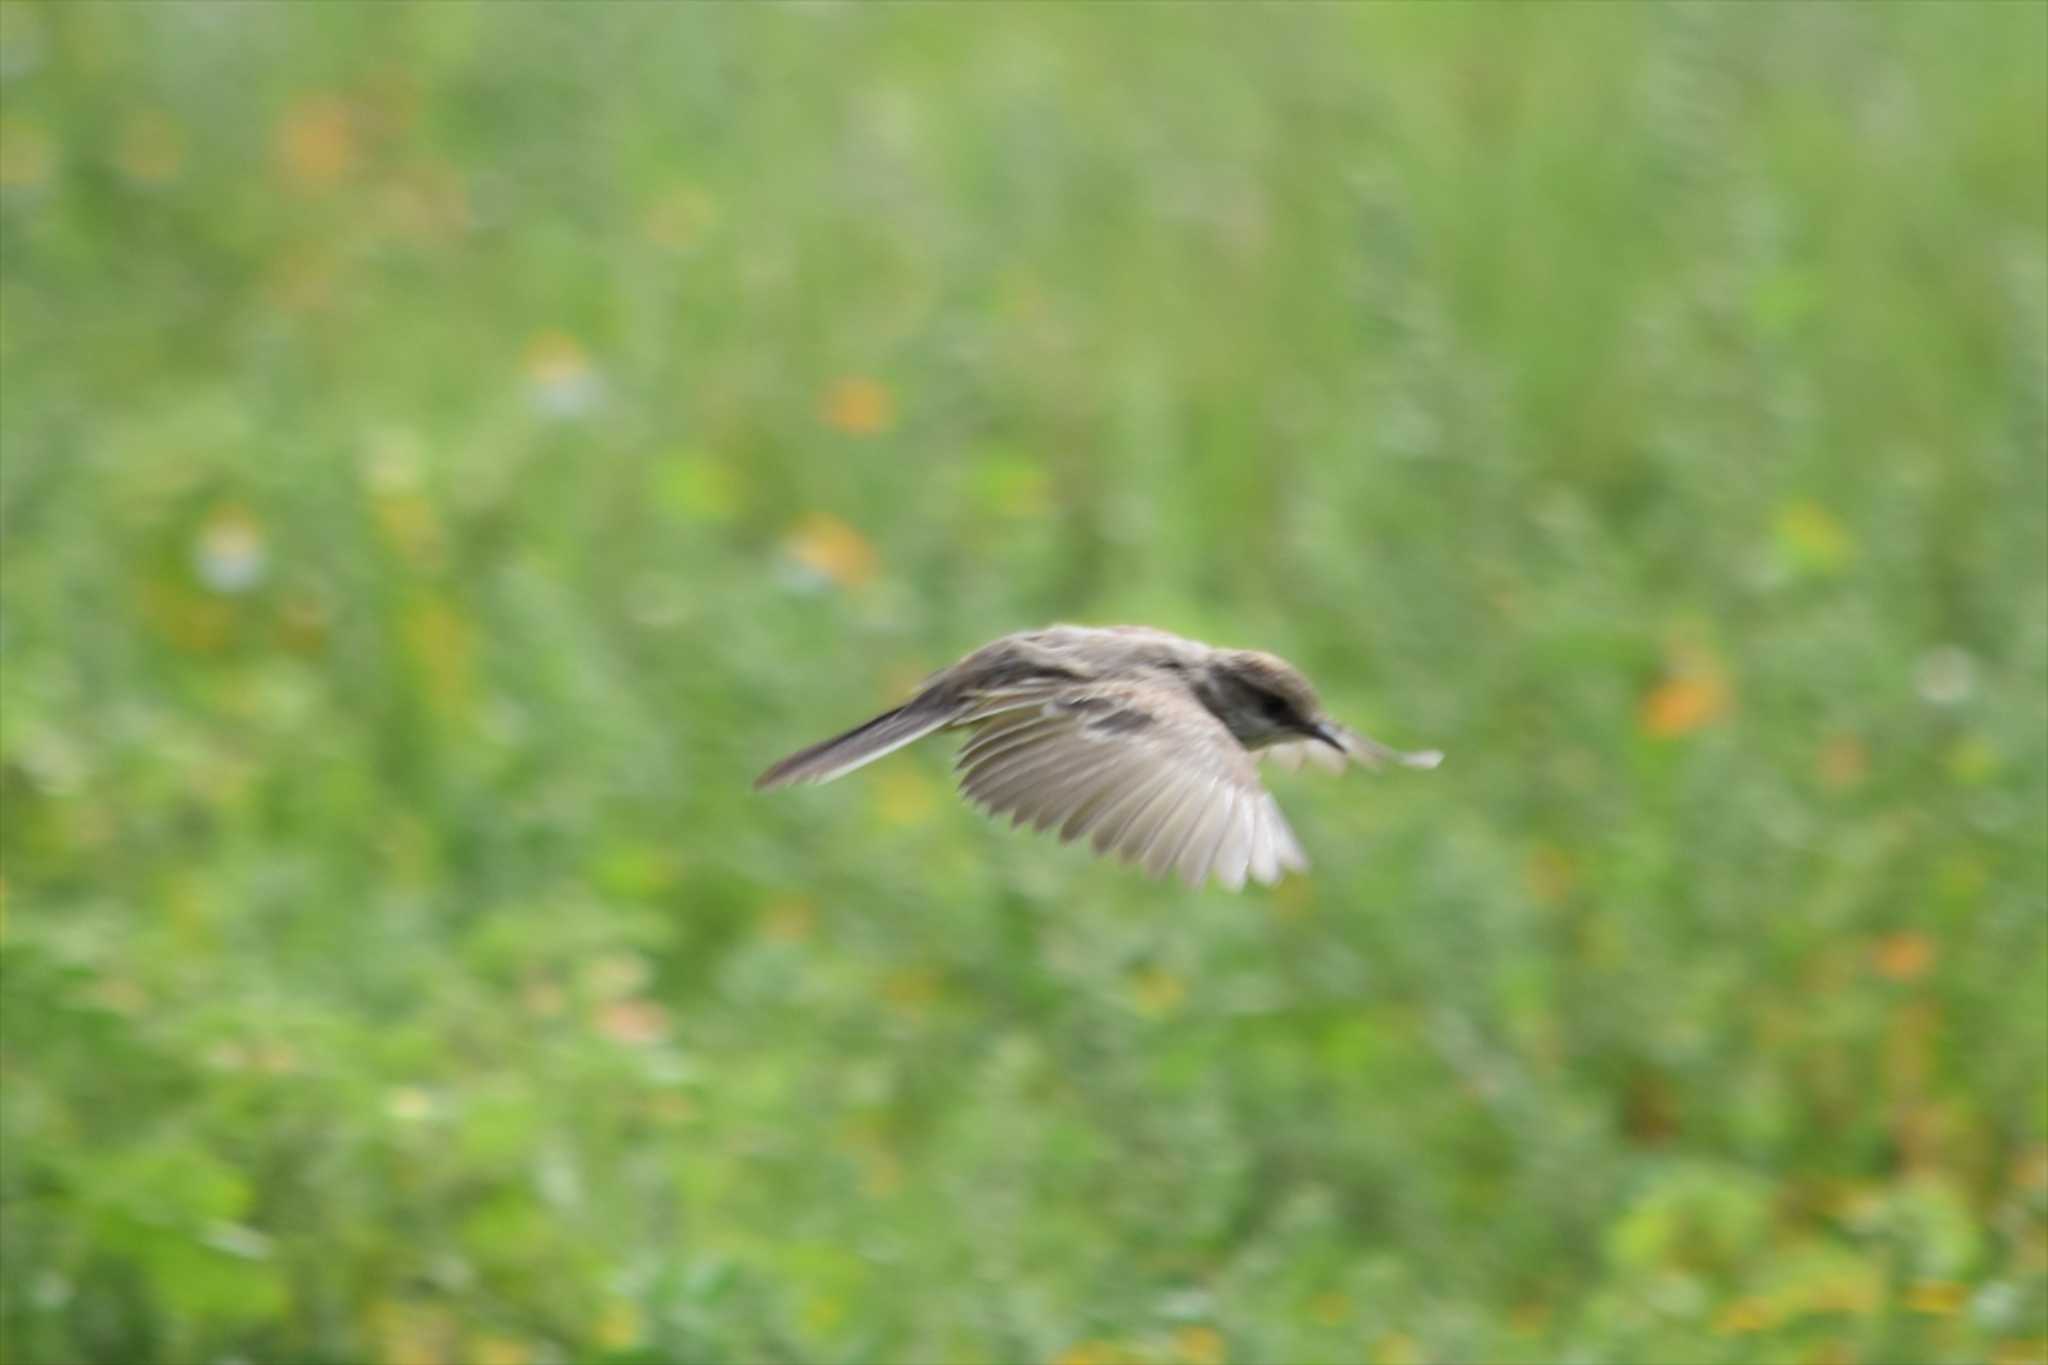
(885, 734)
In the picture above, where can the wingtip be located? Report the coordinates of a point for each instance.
(783, 774)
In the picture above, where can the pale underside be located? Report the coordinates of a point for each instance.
(1140, 769)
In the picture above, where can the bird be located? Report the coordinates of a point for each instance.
(1144, 742)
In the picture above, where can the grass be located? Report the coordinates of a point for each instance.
(446, 452)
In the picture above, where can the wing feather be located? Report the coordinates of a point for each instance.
(1176, 833)
(1265, 858)
(1116, 823)
(1003, 735)
(1199, 853)
(1139, 768)
(1166, 827)
(1098, 799)
(1232, 848)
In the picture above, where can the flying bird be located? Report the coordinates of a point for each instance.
(1144, 742)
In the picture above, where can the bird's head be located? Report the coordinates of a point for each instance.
(1264, 700)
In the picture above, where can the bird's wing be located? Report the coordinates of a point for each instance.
(1140, 768)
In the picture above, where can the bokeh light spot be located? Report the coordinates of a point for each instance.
(832, 549)
(859, 407)
(316, 143)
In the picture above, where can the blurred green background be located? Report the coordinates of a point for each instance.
(448, 451)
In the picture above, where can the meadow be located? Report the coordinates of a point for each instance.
(446, 451)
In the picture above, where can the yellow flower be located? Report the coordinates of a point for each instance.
(1753, 1314)
(1812, 538)
(316, 143)
(1938, 1298)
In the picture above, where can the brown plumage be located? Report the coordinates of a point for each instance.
(1141, 741)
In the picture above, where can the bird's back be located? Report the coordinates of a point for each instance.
(1078, 653)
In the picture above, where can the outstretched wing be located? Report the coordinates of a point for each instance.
(1140, 769)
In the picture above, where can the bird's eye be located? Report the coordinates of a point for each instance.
(1275, 707)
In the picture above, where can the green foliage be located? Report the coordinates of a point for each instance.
(447, 450)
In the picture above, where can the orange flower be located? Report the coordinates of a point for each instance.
(1903, 956)
(1693, 697)
(859, 407)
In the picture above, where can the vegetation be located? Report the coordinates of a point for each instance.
(447, 450)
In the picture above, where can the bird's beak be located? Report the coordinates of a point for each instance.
(1331, 737)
